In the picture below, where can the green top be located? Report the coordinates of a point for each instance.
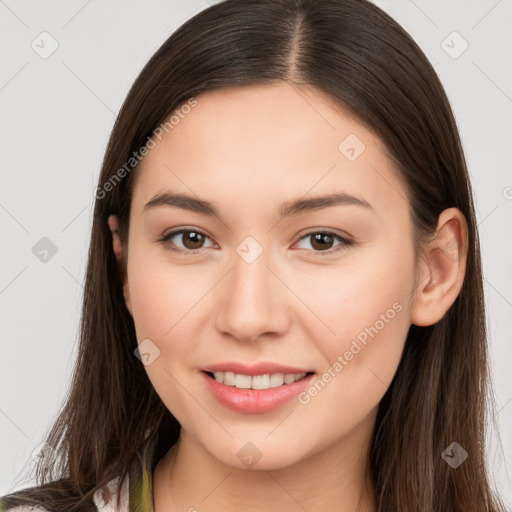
(136, 492)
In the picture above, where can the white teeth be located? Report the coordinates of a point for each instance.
(289, 378)
(243, 381)
(229, 378)
(257, 381)
(276, 380)
(261, 381)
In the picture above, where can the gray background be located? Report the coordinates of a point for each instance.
(57, 113)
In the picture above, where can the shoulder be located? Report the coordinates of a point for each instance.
(25, 508)
(24, 500)
(21, 501)
(105, 498)
(48, 499)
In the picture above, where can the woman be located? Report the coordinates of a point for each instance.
(283, 304)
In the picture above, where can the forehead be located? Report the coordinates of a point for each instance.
(254, 145)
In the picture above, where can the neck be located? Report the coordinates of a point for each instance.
(188, 478)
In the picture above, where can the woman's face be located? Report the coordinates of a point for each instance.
(249, 286)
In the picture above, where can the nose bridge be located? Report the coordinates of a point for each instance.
(251, 301)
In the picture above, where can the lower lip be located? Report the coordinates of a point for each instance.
(255, 400)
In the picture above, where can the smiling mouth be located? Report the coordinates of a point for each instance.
(256, 382)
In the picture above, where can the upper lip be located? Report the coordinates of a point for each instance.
(255, 369)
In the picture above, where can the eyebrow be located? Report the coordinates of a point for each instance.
(289, 208)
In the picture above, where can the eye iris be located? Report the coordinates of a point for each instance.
(320, 238)
(193, 234)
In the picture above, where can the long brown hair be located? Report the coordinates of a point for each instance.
(369, 66)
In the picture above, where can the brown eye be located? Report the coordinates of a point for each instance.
(191, 240)
(323, 242)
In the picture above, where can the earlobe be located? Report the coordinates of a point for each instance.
(113, 223)
(442, 269)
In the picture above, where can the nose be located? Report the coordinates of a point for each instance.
(252, 300)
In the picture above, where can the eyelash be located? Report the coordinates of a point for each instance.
(345, 243)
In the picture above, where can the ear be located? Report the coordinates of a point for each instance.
(442, 269)
(113, 223)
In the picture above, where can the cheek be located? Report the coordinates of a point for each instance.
(364, 309)
(162, 297)
(353, 296)
(163, 311)
(370, 322)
